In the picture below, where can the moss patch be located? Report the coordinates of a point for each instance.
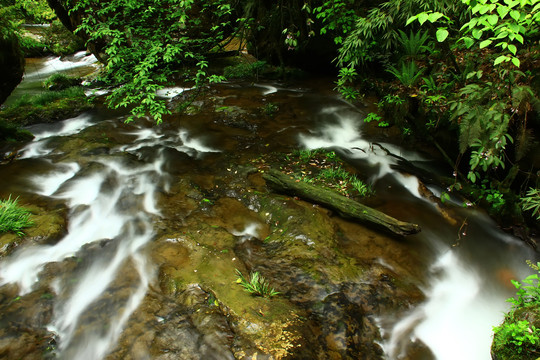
(47, 107)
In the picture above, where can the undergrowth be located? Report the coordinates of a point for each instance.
(323, 167)
(518, 337)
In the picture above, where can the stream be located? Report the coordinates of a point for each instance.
(140, 229)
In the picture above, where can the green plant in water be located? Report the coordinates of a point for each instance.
(334, 173)
(360, 186)
(346, 78)
(270, 109)
(13, 218)
(256, 284)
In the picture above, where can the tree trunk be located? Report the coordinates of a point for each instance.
(344, 206)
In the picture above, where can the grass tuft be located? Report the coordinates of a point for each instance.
(13, 218)
(256, 284)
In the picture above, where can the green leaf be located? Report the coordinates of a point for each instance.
(515, 15)
(422, 18)
(500, 59)
(492, 19)
(512, 48)
(441, 34)
(485, 43)
(434, 16)
(411, 19)
(468, 41)
(516, 61)
(445, 197)
(477, 33)
(502, 11)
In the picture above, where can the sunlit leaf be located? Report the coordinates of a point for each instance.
(441, 34)
(477, 33)
(422, 18)
(492, 19)
(485, 43)
(500, 59)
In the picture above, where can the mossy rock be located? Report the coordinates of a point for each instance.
(10, 132)
(47, 107)
(512, 339)
(58, 82)
(49, 225)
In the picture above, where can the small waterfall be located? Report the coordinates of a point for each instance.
(112, 206)
(464, 298)
(56, 64)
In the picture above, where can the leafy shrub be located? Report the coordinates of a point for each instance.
(61, 41)
(32, 47)
(13, 218)
(516, 338)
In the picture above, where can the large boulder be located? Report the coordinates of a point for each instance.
(11, 61)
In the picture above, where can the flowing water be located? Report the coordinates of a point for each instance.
(113, 181)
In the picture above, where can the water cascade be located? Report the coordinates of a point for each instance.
(99, 272)
(465, 299)
(111, 206)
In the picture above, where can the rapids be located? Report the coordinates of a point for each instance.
(142, 201)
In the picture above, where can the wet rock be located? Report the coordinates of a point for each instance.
(23, 321)
(11, 64)
(346, 331)
(49, 225)
(186, 327)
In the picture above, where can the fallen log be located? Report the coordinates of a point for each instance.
(342, 205)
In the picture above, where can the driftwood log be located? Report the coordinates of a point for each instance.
(342, 205)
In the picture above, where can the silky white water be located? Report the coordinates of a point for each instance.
(112, 206)
(462, 303)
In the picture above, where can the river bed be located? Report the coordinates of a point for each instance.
(151, 223)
